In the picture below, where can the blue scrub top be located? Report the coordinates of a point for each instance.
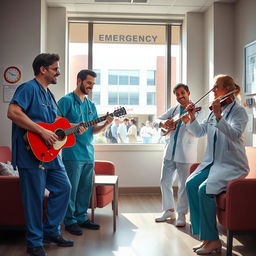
(77, 111)
(38, 105)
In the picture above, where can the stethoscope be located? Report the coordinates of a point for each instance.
(42, 95)
(80, 107)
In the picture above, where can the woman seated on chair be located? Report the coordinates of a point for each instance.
(224, 160)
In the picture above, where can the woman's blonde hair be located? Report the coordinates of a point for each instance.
(228, 83)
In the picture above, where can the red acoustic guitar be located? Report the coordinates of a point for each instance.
(46, 153)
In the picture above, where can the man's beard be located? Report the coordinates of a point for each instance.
(52, 81)
(82, 89)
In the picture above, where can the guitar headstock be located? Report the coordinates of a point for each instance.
(119, 112)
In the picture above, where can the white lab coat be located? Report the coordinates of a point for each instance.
(186, 146)
(229, 159)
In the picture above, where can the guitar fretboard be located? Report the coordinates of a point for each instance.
(75, 128)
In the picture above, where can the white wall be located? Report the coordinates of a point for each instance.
(56, 43)
(136, 165)
(43, 35)
(20, 43)
(245, 23)
(224, 39)
(208, 48)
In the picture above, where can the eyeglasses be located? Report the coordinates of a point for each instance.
(57, 69)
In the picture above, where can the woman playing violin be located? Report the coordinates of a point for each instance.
(224, 160)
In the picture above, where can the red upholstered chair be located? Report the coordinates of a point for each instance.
(104, 194)
(5, 154)
(10, 200)
(236, 208)
(12, 213)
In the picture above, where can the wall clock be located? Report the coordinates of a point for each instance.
(12, 75)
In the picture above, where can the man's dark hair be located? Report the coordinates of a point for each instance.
(180, 85)
(133, 121)
(84, 73)
(44, 60)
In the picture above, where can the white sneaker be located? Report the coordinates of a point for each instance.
(166, 215)
(181, 221)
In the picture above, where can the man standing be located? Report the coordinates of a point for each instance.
(31, 103)
(79, 159)
(122, 131)
(114, 128)
(180, 152)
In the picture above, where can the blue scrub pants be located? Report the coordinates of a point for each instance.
(33, 183)
(202, 206)
(80, 174)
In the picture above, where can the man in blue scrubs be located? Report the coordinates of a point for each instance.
(31, 103)
(79, 159)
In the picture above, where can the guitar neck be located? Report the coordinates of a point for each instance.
(75, 128)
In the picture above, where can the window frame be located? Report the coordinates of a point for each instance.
(131, 21)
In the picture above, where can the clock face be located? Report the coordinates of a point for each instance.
(12, 75)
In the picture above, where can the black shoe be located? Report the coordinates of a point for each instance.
(59, 240)
(89, 224)
(36, 251)
(74, 229)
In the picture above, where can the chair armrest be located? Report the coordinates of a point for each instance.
(193, 167)
(104, 168)
(241, 204)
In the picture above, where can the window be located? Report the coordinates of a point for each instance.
(123, 98)
(123, 77)
(151, 98)
(113, 98)
(98, 78)
(96, 97)
(131, 63)
(134, 98)
(151, 77)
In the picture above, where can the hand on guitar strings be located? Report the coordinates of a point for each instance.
(49, 137)
(169, 124)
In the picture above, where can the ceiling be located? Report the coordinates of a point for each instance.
(148, 7)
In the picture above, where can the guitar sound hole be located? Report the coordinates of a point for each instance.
(61, 134)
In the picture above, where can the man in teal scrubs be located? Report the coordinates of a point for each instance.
(79, 159)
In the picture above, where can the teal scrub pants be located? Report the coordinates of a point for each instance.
(202, 206)
(80, 174)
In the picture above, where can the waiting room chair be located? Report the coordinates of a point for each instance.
(103, 194)
(12, 212)
(236, 208)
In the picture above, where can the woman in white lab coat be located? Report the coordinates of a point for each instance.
(224, 160)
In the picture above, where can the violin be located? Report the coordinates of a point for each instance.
(173, 121)
(224, 102)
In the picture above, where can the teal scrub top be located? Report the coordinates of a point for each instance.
(182, 111)
(76, 111)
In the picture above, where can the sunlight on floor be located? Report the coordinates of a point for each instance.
(124, 251)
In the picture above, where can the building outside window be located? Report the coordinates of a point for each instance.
(130, 63)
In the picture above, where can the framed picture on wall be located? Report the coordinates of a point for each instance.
(250, 68)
